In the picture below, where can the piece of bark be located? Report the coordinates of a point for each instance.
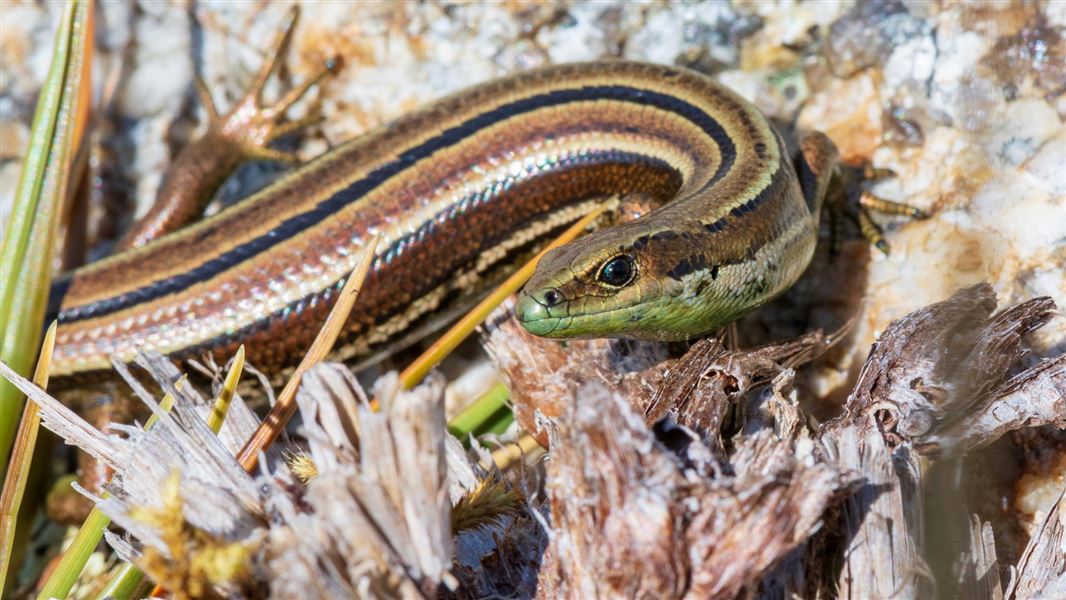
(939, 376)
(701, 386)
(632, 518)
(1041, 571)
(883, 522)
(1032, 398)
(544, 375)
(936, 381)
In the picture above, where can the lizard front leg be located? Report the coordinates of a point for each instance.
(826, 183)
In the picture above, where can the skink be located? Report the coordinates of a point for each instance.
(456, 189)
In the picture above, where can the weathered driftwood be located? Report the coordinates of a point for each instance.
(883, 521)
(697, 388)
(979, 573)
(937, 382)
(1041, 571)
(632, 517)
(543, 375)
(939, 377)
(741, 498)
(928, 385)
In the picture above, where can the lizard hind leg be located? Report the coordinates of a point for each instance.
(244, 133)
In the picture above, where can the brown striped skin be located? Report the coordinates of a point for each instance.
(494, 169)
(699, 262)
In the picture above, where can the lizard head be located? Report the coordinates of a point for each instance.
(625, 282)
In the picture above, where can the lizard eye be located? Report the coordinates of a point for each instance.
(618, 271)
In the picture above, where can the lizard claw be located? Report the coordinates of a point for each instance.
(888, 207)
(250, 124)
(245, 132)
(844, 201)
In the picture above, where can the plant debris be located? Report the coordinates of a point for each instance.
(632, 517)
(762, 503)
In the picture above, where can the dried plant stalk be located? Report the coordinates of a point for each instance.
(374, 522)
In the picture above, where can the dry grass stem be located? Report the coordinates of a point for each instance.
(283, 409)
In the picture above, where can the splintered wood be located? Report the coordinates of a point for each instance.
(652, 510)
(696, 388)
(633, 517)
(672, 473)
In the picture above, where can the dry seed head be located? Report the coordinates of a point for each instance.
(488, 502)
(302, 465)
(197, 561)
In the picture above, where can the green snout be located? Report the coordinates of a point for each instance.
(533, 311)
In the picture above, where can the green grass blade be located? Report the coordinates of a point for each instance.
(483, 409)
(123, 584)
(497, 423)
(66, 573)
(21, 460)
(30, 238)
(31, 177)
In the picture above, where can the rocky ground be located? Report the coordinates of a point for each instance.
(963, 102)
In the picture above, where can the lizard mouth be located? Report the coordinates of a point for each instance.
(533, 312)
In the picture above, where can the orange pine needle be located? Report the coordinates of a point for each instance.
(465, 326)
